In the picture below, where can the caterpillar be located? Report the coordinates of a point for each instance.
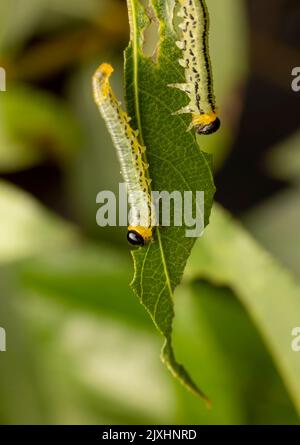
(198, 72)
(130, 153)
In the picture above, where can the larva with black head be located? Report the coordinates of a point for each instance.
(130, 154)
(196, 62)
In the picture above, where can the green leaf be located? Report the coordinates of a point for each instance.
(176, 163)
(70, 362)
(269, 220)
(284, 160)
(221, 335)
(26, 228)
(227, 255)
(18, 20)
(85, 288)
(47, 129)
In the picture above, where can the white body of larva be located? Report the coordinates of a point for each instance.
(196, 62)
(130, 154)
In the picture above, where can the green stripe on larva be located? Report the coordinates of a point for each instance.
(196, 62)
(130, 153)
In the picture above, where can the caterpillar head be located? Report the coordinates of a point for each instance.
(139, 236)
(206, 123)
(209, 128)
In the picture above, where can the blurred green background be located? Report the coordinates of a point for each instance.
(80, 348)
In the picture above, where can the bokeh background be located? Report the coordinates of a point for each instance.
(81, 349)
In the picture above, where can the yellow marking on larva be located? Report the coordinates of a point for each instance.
(145, 232)
(130, 153)
(195, 60)
(105, 71)
(204, 119)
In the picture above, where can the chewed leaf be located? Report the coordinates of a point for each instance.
(175, 164)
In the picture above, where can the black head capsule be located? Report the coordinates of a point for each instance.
(135, 238)
(209, 128)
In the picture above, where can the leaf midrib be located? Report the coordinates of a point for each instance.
(139, 124)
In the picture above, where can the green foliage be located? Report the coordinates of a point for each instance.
(275, 223)
(228, 256)
(175, 163)
(35, 126)
(80, 347)
(26, 228)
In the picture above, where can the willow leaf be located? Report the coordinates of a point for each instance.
(175, 163)
(228, 256)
